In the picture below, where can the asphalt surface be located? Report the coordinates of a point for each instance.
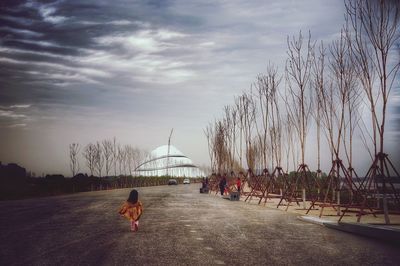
(179, 226)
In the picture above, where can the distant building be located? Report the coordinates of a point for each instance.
(160, 162)
(12, 171)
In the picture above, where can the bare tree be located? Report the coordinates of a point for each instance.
(89, 153)
(298, 104)
(138, 158)
(99, 158)
(270, 134)
(375, 26)
(121, 160)
(354, 101)
(130, 158)
(108, 154)
(249, 115)
(143, 157)
(234, 128)
(263, 94)
(228, 127)
(333, 102)
(318, 70)
(210, 135)
(240, 121)
(343, 81)
(219, 146)
(115, 155)
(74, 149)
(343, 78)
(298, 68)
(275, 115)
(375, 32)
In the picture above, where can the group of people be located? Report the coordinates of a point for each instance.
(223, 185)
(205, 182)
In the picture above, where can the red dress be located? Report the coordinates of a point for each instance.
(131, 211)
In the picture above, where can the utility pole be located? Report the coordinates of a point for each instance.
(169, 143)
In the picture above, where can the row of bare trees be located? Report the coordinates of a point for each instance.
(251, 129)
(331, 87)
(107, 155)
(344, 89)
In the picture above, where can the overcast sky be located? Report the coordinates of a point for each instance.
(82, 71)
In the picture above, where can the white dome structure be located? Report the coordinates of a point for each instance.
(160, 162)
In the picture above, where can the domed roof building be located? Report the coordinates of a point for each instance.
(162, 162)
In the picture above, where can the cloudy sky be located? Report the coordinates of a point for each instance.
(81, 71)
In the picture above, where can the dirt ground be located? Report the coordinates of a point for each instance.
(179, 226)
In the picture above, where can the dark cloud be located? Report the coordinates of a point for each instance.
(72, 43)
(57, 32)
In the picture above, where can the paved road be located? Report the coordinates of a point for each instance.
(179, 226)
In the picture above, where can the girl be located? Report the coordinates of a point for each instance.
(132, 209)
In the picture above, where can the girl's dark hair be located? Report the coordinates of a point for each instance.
(133, 196)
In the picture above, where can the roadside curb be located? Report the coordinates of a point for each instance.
(315, 220)
(382, 232)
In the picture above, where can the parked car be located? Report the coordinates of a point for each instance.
(186, 181)
(172, 182)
